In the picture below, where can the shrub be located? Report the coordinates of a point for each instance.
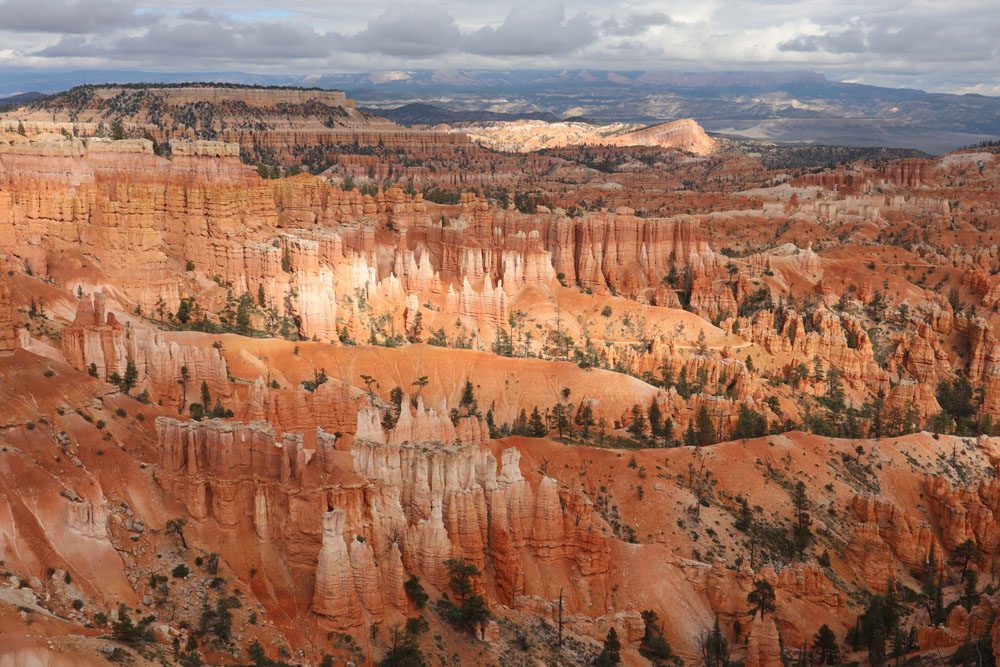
(125, 630)
(416, 592)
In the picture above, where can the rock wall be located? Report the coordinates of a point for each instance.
(421, 492)
(8, 331)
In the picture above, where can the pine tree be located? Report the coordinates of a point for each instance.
(521, 425)
(714, 647)
(802, 533)
(690, 436)
(825, 649)
(761, 598)
(586, 419)
(468, 400)
(964, 553)
(655, 419)
(705, 428)
(611, 652)
(970, 596)
(131, 376)
(931, 588)
(536, 426)
(638, 426)
(750, 424)
(206, 396)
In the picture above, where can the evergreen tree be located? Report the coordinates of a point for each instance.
(654, 645)
(761, 598)
(206, 396)
(964, 553)
(638, 425)
(561, 412)
(825, 649)
(468, 400)
(503, 346)
(471, 608)
(932, 589)
(750, 424)
(714, 647)
(586, 419)
(667, 431)
(655, 417)
(970, 596)
(184, 310)
(521, 424)
(683, 387)
(705, 428)
(404, 651)
(611, 652)
(744, 520)
(131, 376)
(802, 533)
(536, 426)
(690, 436)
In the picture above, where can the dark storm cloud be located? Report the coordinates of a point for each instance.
(407, 32)
(208, 38)
(634, 24)
(71, 17)
(534, 30)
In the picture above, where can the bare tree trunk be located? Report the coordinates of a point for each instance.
(560, 617)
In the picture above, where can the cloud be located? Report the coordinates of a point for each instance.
(534, 30)
(71, 17)
(919, 39)
(410, 32)
(635, 24)
(204, 38)
(943, 46)
(849, 40)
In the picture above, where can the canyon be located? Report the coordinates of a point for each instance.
(281, 378)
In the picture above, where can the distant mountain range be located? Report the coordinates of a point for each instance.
(19, 99)
(419, 113)
(776, 106)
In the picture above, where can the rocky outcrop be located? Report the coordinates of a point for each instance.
(840, 343)
(8, 332)
(871, 554)
(962, 513)
(170, 373)
(763, 643)
(213, 467)
(421, 492)
(532, 135)
(174, 373)
(335, 595)
(984, 364)
(920, 356)
(95, 337)
(885, 525)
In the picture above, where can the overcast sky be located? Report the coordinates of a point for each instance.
(941, 45)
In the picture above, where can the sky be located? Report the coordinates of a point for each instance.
(937, 45)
